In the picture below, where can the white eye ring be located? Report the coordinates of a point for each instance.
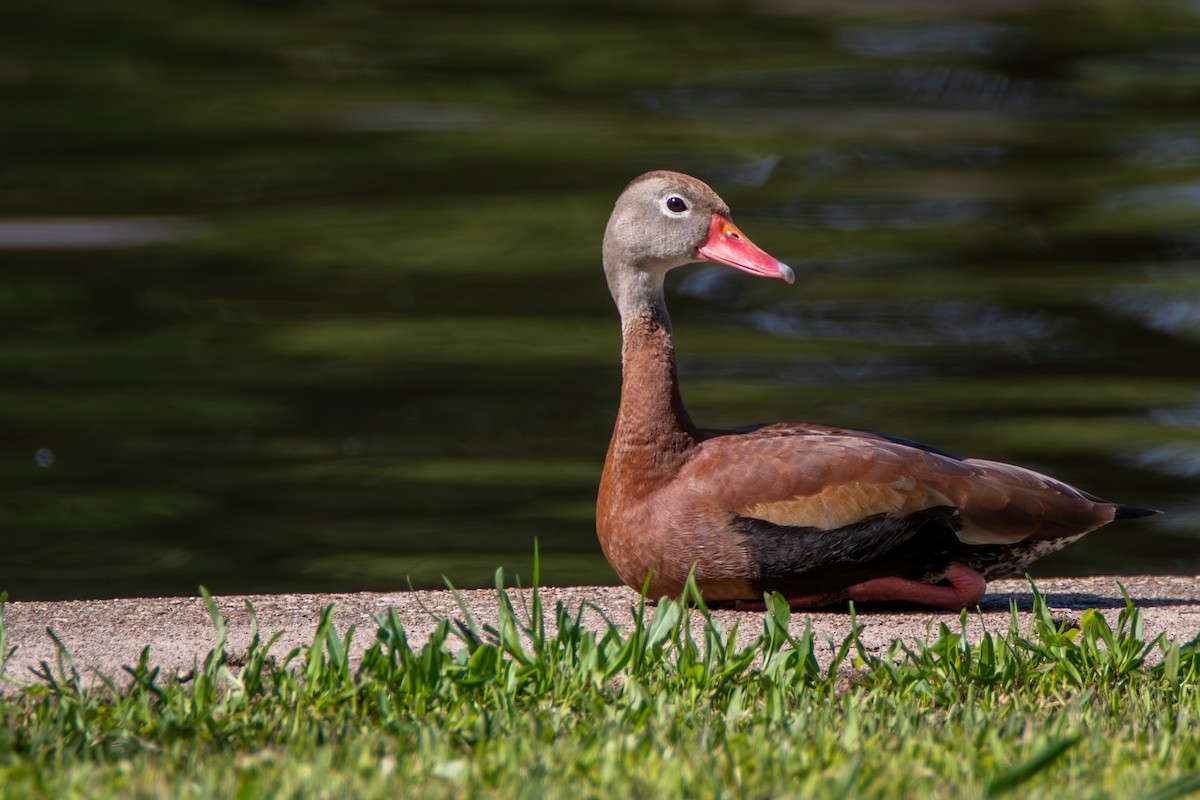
(675, 207)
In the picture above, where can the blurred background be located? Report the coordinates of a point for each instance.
(307, 296)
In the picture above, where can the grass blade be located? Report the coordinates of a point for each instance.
(1027, 769)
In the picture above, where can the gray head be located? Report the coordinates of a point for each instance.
(664, 220)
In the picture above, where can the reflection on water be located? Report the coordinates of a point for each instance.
(867, 212)
(945, 323)
(906, 40)
(1174, 146)
(788, 94)
(1168, 308)
(1182, 460)
(1184, 197)
(310, 298)
(415, 117)
(63, 234)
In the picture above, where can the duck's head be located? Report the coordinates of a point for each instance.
(664, 220)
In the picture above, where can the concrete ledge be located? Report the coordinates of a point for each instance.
(104, 635)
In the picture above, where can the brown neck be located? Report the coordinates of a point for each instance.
(654, 434)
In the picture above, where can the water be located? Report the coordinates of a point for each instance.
(310, 299)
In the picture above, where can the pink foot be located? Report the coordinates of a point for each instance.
(966, 588)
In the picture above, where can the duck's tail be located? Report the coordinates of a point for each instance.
(1132, 512)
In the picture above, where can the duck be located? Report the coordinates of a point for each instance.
(820, 514)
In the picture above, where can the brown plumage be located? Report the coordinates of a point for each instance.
(822, 514)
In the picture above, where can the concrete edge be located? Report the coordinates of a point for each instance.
(104, 635)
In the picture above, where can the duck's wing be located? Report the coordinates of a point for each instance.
(814, 509)
(810, 476)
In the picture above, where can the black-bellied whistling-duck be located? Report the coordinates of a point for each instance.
(820, 514)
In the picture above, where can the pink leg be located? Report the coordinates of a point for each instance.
(966, 588)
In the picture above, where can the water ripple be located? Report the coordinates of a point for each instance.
(862, 213)
(907, 86)
(51, 233)
(804, 371)
(917, 324)
(1174, 196)
(1188, 416)
(414, 117)
(1172, 310)
(1170, 147)
(978, 38)
(1182, 460)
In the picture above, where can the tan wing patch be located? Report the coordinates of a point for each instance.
(846, 503)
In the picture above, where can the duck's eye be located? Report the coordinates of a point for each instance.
(676, 204)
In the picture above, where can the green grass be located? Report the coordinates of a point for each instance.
(535, 704)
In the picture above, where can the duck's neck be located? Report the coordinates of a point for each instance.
(654, 434)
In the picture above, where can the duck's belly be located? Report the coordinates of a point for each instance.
(1008, 561)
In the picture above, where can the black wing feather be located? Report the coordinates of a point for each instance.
(797, 561)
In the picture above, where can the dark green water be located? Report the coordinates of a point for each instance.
(308, 296)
